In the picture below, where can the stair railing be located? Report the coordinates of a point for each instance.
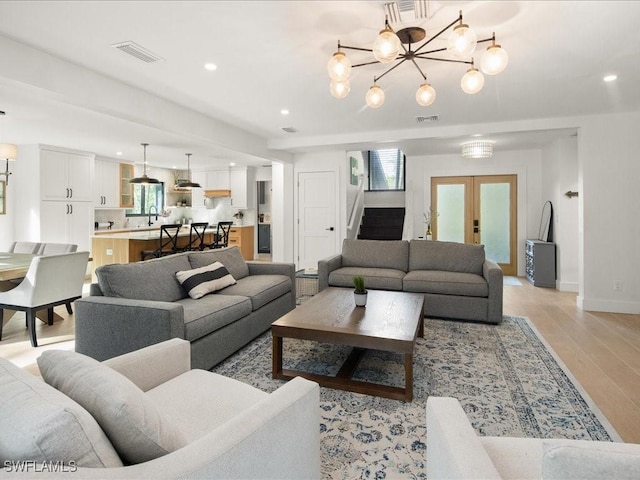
(357, 209)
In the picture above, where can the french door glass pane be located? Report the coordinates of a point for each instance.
(451, 213)
(495, 215)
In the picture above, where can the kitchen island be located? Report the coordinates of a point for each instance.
(125, 246)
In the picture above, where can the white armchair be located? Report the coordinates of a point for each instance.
(25, 247)
(50, 281)
(455, 451)
(232, 430)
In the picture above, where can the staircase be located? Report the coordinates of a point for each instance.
(382, 224)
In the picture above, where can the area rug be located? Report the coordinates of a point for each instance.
(508, 382)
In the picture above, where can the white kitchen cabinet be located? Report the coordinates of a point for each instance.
(197, 194)
(217, 180)
(66, 176)
(67, 222)
(242, 185)
(106, 184)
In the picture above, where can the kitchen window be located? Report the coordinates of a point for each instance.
(386, 170)
(145, 197)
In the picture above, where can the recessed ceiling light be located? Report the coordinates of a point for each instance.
(210, 66)
(284, 111)
(233, 164)
(610, 78)
(119, 154)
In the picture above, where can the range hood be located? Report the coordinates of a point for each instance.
(217, 193)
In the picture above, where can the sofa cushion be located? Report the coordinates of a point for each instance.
(446, 283)
(375, 278)
(39, 423)
(590, 460)
(199, 401)
(200, 281)
(391, 254)
(212, 312)
(446, 256)
(150, 280)
(261, 289)
(131, 421)
(230, 257)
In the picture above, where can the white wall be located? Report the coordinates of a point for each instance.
(560, 174)
(526, 164)
(282, 218)
(609, 170)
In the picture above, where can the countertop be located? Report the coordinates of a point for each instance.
(147, 233)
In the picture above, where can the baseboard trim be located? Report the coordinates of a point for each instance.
(612, 306)
(568, 287)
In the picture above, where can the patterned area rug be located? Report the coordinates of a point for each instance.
(506, 379)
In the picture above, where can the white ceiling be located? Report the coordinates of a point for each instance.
(272, 55)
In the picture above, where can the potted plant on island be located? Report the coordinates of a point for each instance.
(360, 293)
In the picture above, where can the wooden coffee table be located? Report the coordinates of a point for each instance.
(391, 321)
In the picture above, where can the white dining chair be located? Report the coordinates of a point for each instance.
(50, 281)
(56, 248)
(25, 247)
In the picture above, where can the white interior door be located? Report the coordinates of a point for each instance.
(317, 229)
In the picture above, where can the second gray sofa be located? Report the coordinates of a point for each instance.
(138, 304)
(457, 280)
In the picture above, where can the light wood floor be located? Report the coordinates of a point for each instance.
(602, 350)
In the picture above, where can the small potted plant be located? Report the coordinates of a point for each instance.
(359, 293)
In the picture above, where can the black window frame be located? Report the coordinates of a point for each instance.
(143, 209)
(402, 177)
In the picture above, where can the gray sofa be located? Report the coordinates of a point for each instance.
(457, 280)
(139, 304)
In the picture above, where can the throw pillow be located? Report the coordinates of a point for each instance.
(38, 423)
(590, 460)
(200, 281)
(135, 427)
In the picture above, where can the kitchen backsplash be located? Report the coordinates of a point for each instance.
(222, 212)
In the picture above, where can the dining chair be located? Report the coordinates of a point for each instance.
(57, 248)
(221, 237)
(50, 281)
(167, 243)
(25, 247)
(196, 236)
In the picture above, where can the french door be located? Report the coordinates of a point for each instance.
(479, 209)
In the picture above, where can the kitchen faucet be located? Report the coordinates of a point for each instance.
(156, 208)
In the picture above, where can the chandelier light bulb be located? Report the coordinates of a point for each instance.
(472, 81)
(425, 95)
(339, 67)
(387, 46)
(494, 60)
(462, 42)
(375, 96)
(339, 89)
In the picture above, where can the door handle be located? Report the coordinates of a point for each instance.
(330, 229)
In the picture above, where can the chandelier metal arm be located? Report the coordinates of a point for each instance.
(363, 64)
(424, 77)
(422, 57)
(404, 59)
(355, 48)
(427, 42)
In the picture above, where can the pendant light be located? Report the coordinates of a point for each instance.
(188, 184)
(144, 179)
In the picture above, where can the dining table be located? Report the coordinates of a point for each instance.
(13, 267)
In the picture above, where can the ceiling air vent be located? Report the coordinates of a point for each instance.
(135, 50)
(290, 129)
(406, 10)
(427, 119)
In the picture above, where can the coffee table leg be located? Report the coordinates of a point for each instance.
(277, 357)
(408, 377)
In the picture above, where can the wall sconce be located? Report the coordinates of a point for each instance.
(8, 152)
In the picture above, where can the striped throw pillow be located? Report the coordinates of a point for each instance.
(210, 278)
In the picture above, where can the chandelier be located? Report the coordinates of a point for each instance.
(403, 46)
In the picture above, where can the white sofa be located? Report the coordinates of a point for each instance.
(455, 451)
(228, 429)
